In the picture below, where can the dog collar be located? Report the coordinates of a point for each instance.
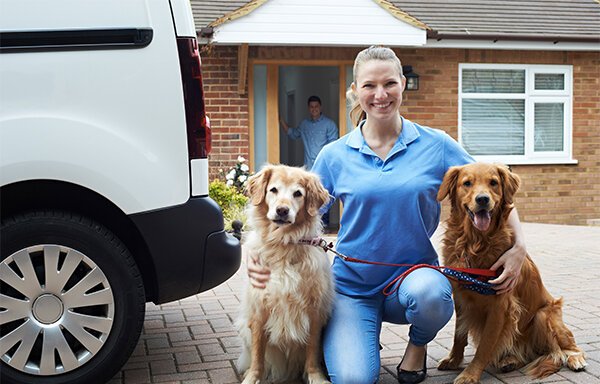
(469, 282)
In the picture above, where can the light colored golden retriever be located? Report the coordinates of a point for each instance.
(281, 325)
(523, 326)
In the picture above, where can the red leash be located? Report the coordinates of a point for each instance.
(395, 284)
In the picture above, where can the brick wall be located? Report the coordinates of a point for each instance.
(566, 194)
(227, 110)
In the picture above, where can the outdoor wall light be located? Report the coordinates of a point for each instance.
(412, 78)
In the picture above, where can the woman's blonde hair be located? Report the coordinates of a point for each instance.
(374, 52)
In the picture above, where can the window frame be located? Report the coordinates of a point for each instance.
(530, 97)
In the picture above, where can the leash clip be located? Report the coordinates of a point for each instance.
(319, 242)
(324, 245)
(340, 255)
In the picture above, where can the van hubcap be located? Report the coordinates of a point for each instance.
(47, 309)
(56, 309)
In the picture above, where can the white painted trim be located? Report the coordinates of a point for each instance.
(512, 45)
(566, 71)
(520, 160)
(530, 96)
(461, 44)
(315, 23)
(358, 41)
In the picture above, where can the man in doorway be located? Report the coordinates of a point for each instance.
(316, 131)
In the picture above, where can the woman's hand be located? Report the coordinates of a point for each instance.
(258, 274)
(512, 260)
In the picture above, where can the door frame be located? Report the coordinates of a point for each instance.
(273, 97)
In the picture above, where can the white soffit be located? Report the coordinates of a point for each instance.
(318, 22)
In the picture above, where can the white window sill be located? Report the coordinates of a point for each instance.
(523, 161)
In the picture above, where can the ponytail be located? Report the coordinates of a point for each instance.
(356, 112)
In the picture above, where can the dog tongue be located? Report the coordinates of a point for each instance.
(482, 220)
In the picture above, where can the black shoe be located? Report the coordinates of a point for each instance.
(412, 377)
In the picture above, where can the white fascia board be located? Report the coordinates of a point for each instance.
(512, 45)
(306, 39)
(318, 23)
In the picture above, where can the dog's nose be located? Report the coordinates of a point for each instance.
(282, 211)
(482, 199)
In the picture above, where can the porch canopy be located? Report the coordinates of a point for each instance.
(317, 22)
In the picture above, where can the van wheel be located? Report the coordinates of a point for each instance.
(71, 300)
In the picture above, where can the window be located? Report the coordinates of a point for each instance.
(516, 114)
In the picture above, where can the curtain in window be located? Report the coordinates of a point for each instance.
(493, 101)
(549, 81)
(549, 121)
(493, 81)
(493, 126)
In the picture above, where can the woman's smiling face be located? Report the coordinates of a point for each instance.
(379, 87)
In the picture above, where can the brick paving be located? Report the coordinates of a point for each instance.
(193, 341)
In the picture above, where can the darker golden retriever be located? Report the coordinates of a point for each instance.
(281, 324)
(511, 330)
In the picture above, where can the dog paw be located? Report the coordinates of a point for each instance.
(251, 378)
(448, 364)
(317, 378)
(576, 362)
(466, 379)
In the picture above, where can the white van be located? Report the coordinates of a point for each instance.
(104, 149)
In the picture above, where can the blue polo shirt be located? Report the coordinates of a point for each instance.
(315, 134)
(390, 206)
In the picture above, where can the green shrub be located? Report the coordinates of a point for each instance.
(231, 201)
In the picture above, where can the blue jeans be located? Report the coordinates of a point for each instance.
(351, 337)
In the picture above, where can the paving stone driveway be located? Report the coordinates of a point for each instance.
(194, 340)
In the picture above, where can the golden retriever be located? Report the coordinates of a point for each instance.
(281, 325)
(523, 326)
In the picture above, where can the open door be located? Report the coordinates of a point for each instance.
(282, 89)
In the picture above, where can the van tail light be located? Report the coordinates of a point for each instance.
(198, 127)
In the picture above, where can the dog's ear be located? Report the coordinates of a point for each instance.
(510, 183)
(316, 195)
(448, 186)
(257, 184)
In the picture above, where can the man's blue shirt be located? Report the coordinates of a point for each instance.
(315, 135)
(390, 206)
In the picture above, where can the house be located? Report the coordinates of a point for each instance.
(513, 81)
